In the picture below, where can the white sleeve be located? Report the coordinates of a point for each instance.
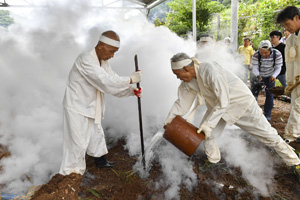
(278, 64)
(219, 86)
(103, 81)
(288, 63)
(255, 64)
(184, 102)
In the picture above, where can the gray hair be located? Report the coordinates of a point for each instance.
(179, 57)
(111, 34)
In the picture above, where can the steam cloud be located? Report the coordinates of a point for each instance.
(36, 55)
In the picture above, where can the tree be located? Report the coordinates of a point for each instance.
(5, 19)
(258, 20)
(159, 22)
(179, 19)
(159, 12)
(226, 3)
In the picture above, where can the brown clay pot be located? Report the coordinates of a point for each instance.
(183, 135)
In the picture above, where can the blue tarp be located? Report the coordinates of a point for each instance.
(28, 196)
(13, 197)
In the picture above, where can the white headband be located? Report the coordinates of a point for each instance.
(206, 39)
(180, 64)
(109, 41)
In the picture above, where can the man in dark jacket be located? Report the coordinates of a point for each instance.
(275, 37)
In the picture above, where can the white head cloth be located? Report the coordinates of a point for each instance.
(180, 64)
(206, 39)
(109, 41)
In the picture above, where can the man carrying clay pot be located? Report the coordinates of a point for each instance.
(228, 101)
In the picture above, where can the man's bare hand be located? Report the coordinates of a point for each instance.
(259, 78)
(272, 79)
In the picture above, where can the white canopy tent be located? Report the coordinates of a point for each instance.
(143, 5)
(108, 4)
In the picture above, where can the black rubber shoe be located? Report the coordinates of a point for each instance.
(101, 162)
(105, 165)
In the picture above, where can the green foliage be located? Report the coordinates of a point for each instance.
(180, 21)
(226, 3)
(5, 19)
(258, 20)
(125, 176)
(94, 192)
(158, 22)
(159, 12)
(297, 152)
(256, 17)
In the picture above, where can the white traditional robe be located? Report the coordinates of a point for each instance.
(84, 107)
(230, 101)
(292, 50)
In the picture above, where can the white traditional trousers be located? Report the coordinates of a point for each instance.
(255, 123)
(292, 129)
(81, 136)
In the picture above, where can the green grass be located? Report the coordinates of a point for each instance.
(125, 176)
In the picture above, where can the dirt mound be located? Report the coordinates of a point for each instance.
(60, 187)
(3, 152)
(277, 90)
(223, 182)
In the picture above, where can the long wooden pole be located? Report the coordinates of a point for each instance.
(140, 114)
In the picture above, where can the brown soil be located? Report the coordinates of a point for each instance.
(277, 90)
(3, 153)
(60, 187)
(118, 183)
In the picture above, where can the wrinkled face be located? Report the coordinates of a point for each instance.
(183, 74)
(274, 39)
(291, 25)
(265, 52)
(106, 51)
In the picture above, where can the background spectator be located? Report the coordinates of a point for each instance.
(275, 37)
(286, 35)
(267, 64)
(247, 52)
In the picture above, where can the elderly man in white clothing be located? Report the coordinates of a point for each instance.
(90, 78)
(289, 18)
(228, 100)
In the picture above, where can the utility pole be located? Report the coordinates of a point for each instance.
(234, 24)
(218, 24)
(194, 21)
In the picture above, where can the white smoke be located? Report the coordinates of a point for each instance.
(36, 55)
(221, 53)
(253, 159)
